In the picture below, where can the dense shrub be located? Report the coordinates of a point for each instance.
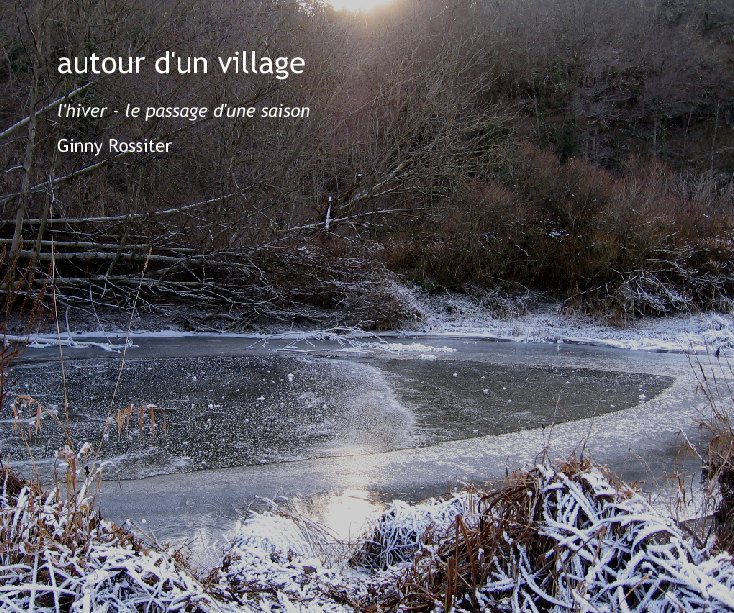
(646, 240)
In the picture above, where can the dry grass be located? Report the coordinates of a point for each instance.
(721, 462)
(565, 538)
(715, 373)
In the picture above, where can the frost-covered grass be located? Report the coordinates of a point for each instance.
(58, 555)
(567, 539)
(528, 319)
(553, 538)
(272, 565)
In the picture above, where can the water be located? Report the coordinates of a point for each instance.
(348, 426)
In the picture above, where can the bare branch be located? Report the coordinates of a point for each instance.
(8, 131)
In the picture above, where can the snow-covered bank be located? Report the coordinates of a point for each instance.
(453, 315)
(460, 315)
(562, 538)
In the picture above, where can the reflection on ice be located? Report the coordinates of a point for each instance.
(345, 513)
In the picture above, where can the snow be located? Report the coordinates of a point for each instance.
(457, 315)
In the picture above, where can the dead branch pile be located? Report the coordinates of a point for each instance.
(231, 289)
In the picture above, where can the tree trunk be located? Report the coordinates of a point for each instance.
(27, 167)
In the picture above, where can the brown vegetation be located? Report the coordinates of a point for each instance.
(646, 241)
(585, 152)
(714, 374)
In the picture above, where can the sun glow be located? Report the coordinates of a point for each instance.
(358, 6)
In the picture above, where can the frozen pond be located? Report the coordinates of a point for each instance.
(344, 423)
(160, 415)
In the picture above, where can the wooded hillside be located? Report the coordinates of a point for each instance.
(579, 148)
